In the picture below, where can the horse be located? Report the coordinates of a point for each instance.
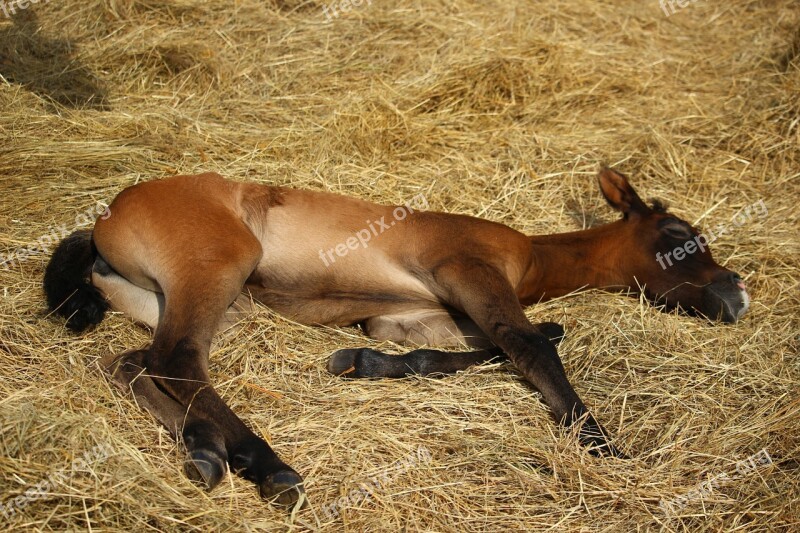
(188, 255)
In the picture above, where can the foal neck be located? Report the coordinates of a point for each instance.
(566, 262)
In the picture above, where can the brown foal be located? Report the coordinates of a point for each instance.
(185, 255)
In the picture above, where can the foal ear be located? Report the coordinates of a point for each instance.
(619, 194)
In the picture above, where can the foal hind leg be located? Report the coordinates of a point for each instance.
(207, 457)
(146, 307)
(178, 361)
(432, 328)
(199, 282)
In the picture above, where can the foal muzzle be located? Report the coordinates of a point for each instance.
(726, 299)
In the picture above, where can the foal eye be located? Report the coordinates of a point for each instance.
(677, 230)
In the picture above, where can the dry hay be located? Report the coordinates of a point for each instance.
(496, 109)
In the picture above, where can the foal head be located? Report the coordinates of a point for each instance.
(669, 258)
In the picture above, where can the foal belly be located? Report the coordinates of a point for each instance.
(298, 284)
(334, 308)
(316, 270)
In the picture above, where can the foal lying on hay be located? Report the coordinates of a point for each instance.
(180, 254)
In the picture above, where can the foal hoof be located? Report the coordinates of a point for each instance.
(205, 467)
(283, 487)
(343, 362)
(607, 450)
(595, 439)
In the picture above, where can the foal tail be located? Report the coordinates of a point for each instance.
(67, 282)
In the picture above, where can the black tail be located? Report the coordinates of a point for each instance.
(67, 282)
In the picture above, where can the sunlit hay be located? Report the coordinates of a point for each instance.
(503, 110)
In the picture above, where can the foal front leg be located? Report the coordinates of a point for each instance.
(369, 363)
(483, 293)
(423, 327)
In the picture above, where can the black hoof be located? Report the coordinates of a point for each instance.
(343, 362)
(205, 467)
(255, 461)
(593, 437)
(206, 460)
(605, 449)
(283, 487)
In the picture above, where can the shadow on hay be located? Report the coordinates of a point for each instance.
(584, 217)
(45, 66)
(791, 56)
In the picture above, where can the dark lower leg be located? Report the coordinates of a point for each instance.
(537, 359)
(369, 363)
(248, 455)
(207, 456)
(486, 296)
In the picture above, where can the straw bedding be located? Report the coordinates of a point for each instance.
(499, 109)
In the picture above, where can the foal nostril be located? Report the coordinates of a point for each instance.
(737, 280)
(733, 278)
